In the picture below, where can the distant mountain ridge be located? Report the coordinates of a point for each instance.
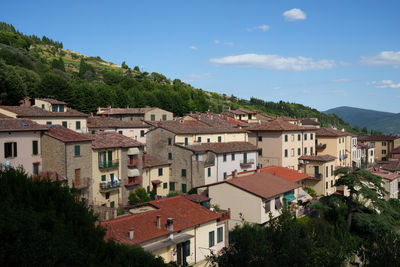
(386, 122)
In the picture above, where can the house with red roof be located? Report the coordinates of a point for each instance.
(391, 181)
(175, 228)
(136, 114)
(156, 175)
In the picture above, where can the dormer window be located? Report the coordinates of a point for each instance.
(61, 109)
(54, 108)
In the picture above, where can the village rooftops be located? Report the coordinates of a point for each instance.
(112, 139)
(107, 122)
(329, 132)
(153, 161)
(390, 165)
(18, 125)
(217, 120)
(222, 148)
(384, 174)
(309, 122)
(124, 111)
(364, 138)
(185, 214)
(320, 158)
(241, 111)
(285, 173)
(194, 127)
(52, 101)
(277, 125)
(28, 112)
(66, 135)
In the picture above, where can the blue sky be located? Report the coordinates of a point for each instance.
(321, 54)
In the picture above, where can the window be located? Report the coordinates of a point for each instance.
(112, 204)
(64, 124)
(164, 117)
(383, 151)
(165, 185)
(267, 206)
(219, 139)
(120, 117)
(311, 151)
(249, 116)
(48, 122)
(299, 151)
(224, 157)
(340, 140)
(383, 143)
(199, 139)
(331, 169)
(183, 188)
(148, 189)
(77, 150)
(331, 182)
(286, 137)
(244, 157)
(141, 133)
(169, 141)
(209, 172)
(112, 177)
(152, 117)
(292, 152)
(103, 178)
(286, 153)
(260, 151)
(183, 172)
(131, 117)
(208, 140)
(61, 108)
(278, 204)
(224, 175)
(171, 186)
(186, 141)
(305, 151)
(260, 139)
(326, 185)
(120, 132)
(35, 148)
(305, 136)
(383, 158)
(326, 171)
(42, 106)
(311, 136)
(107, 195)
(35, 168)
(233, 156)
(220, 234)
(299, 137)
(78, 125)
(211, 239)
(169, 156)
(54, 108)
(196, 157)
(160, 171)
(292, 137)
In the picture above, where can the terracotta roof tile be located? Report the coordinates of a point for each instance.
(107, 122)
(277, 125)
(363, 138)
(396, 150)
(322, 158)
(66, 135)
(112, 139)
(184, 212)
(11, 124)
(309, 122)
(52, 101)
(197, 198)
(221, 148)
(285, 173)
(38, 112)
(123, 111)
(384, 174)
(329, 132)
(391, 165)
(153, 161)
(194, 127)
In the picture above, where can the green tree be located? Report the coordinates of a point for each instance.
(138, 196)
(124, 65)
(58, 64)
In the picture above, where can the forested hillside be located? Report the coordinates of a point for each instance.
(41, 67)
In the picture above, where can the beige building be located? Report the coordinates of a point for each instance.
(281, 143)
(321, 173)
(156, 173)
(116, 171)
(391, 182)
(174, 228)
(136, 114)
(69, 154)
(48, 112)
(333, 142)
(242, 114)
(383, 144)
(20, 144)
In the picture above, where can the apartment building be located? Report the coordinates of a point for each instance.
(116, 168)
(321, 173)
(390, 180)
(69, 154)
(354, 150)
(132, 129)
(281, 143)
(333, 142)
(367, 154)
(47, 111)
(136, 114)
(20, 144)
(384, 144)
(156, 173)
(175, 228)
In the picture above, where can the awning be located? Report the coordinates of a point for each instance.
(156, 182)
(167, 242)
(289, 197)
(133, 172)
(303, 196)
(133, 151)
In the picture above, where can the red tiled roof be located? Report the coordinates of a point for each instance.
(66, 135)
(263, 184)
(329, 132)
(322, 158)
(396, 150)
(184, 212)
(197, 198)
(107, 122)
(216, 120)
(277, 125)
(390, 165)
(363, 138)
(221, 148)
(385, 174)
(153, 161)
(2, 116)
(11, 124)
(194, 127)
(309, 122)
(285, 173)
(112, 139)
(123, 111)
(52, 101)
(38, 112)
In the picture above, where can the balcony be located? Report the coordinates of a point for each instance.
(246, 164)
(108, 164)
(318, 175)
(109, 186)
(134, 162)
(225, 215)
(321, 146)
(131, 181)
(345, 156)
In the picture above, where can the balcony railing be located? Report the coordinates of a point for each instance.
(247, 163)
(321, 146)
(109, 164)
(318, 175)
(133, 162)
(131, 181)
(108, 186)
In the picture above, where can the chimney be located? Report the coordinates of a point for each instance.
(131, 233)
(170, 224)
(158, 222)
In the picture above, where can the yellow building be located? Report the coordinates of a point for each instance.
(136, 114)
(333, 142)
(242, 114)
(156, 174)
(383, 145)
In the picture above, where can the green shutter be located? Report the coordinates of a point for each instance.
(35, 147)
(183, 188)
(171, 186)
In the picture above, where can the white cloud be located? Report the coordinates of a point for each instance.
(342, 80)
(199, 75)
(385, 84)
(294, 14)
(229, 43)
(193, 47)
(274, 62)
(384, 58)
(276, 88)
(263, 28)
